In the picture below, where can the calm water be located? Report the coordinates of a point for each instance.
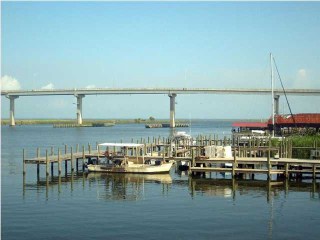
(171, 206)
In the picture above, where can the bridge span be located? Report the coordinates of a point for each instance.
(172, 93)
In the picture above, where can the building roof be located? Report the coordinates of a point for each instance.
(301, 118)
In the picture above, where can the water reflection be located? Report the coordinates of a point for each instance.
(230, 188)
(132, 187)
(112, 186)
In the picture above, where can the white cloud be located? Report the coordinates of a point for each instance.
(48, 86)
(302, 73)
(91, 86)
(302, 79)
(9, 83)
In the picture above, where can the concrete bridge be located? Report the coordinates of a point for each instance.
(172, 93)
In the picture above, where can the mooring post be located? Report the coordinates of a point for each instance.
(24, 163)
(83, 157)
(65, 161)
(77, 164)
(193, 157)
(77, 148)
(98, 149)
(38, 165)
(151, 149)
(268, 160)
(71, 159)
(59, 162)
(234, 165)
(47, 163)
(286, 170)
(65, 149)
(51, 154)
(163, 153)
(89, 148)
(314, 171)
(51, 168)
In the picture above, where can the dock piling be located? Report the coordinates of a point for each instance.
(268, 160)
(24, 163)
(83, 157)
(71, 160)
(38, 165)
(59, 162)
(47, 163)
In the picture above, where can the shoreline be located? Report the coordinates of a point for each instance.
(5, 122)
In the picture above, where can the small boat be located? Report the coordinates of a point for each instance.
(128, 158)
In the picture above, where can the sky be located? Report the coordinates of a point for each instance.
(60, 45)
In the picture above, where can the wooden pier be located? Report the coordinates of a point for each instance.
(255, 157)
(165, 125)
(285, 167)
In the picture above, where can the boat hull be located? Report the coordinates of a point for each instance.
(134, 168)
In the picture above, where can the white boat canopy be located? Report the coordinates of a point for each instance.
(121, 144)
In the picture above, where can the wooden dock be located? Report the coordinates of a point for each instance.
(256, 157)
(165, 125)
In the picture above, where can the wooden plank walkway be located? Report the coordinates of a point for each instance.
(62, 157)
(258, 160)
(285, 166)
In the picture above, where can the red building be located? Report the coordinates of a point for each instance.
(297, 120)
(300, 121)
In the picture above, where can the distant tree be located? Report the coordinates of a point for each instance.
(152, 118)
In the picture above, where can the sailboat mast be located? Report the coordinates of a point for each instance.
(272, 93)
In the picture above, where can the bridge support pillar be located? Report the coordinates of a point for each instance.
(276, 104)
(11, 117)
(172, 109)
(79, 108)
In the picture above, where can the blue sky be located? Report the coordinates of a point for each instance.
(158, 44)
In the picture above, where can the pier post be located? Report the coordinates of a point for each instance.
(172, 109)
(234, 165)
(71, 160)
(51, 154)
(151, 149)
(24, 163)
(77, 164)
(47, 163)
(268, 160)
(98, 148)
(65, 161)
(38, 165)
(286, 170)
(59, 162)
(83, 157)
(193, 158)
(79, 107)
(89, 148)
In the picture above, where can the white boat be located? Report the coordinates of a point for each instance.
(128, 158)
(183, 138)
